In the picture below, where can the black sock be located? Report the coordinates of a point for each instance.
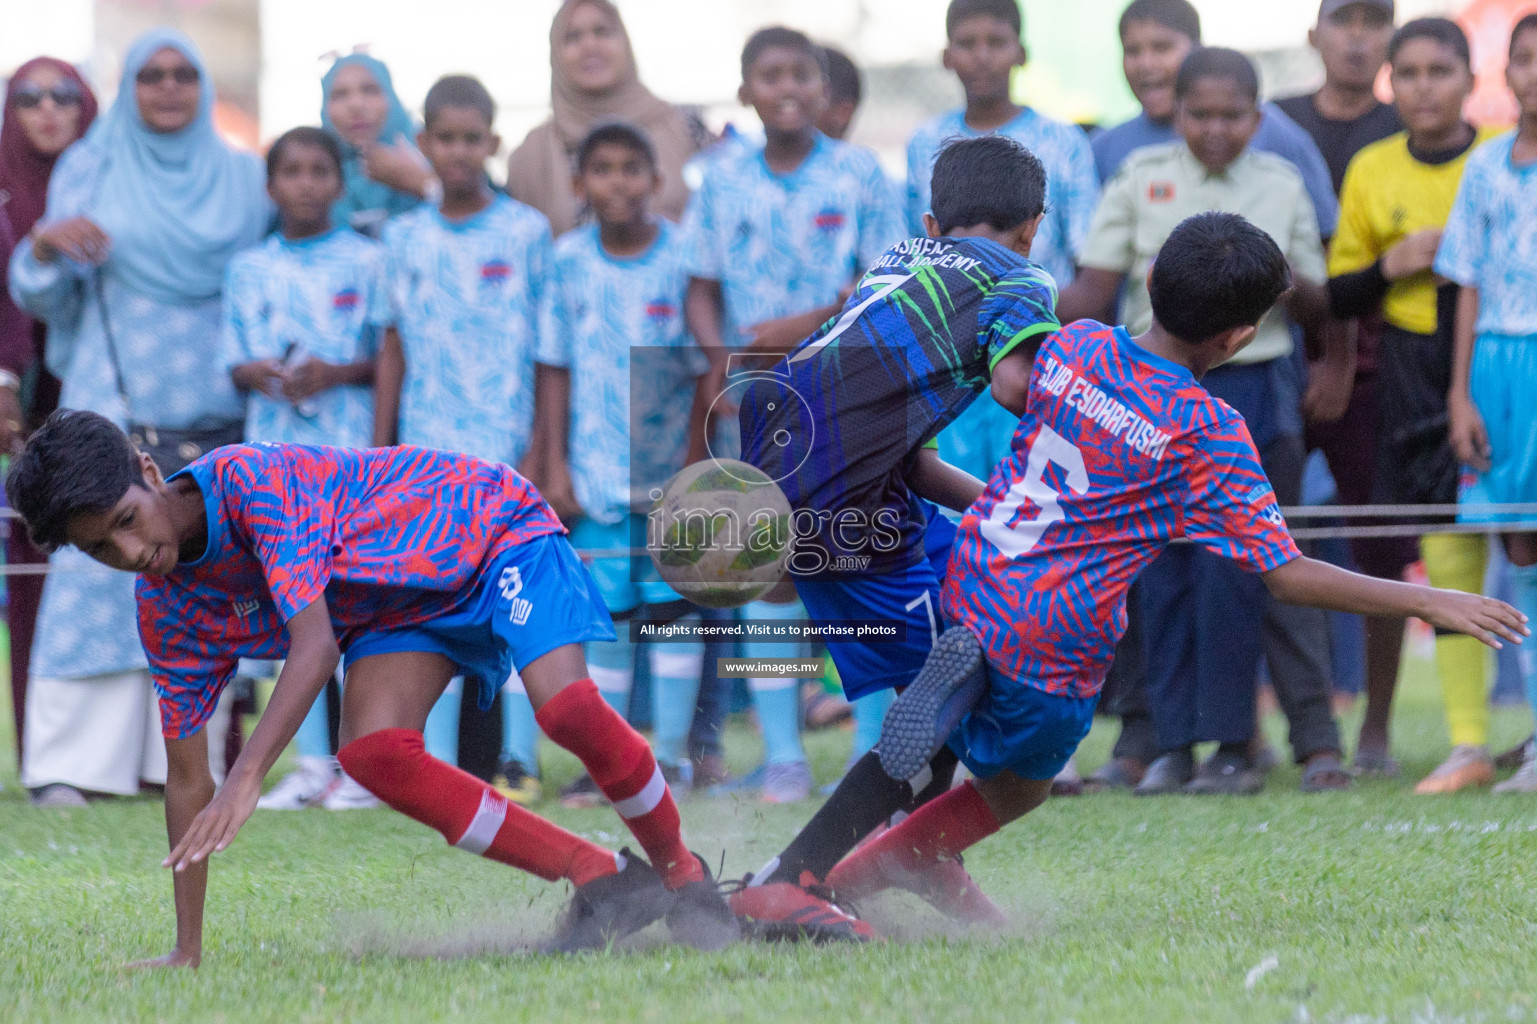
(865, 799)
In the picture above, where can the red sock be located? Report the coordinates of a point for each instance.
(393, 765)
(939, 830)
(620, 762)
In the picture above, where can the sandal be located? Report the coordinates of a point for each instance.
(1380, 764)
(1325, 773)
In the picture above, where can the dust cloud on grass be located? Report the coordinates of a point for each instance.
(732, 829)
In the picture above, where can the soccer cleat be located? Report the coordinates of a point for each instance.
(582, 792)
(949, 685)
(517, 784)
(348, 795)
(781, 912)
(787, 783)
(607, 909)
(1466, 766)
(700, 916)
(945, 885)
(306, 786)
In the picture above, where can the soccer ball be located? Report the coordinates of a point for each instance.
(719, 533)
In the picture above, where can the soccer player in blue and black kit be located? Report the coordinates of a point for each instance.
(1119, 453)
(846, 425)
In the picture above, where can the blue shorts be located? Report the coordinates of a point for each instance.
(1502, 381)
(910, 596)
(624, 583)
(534, 598)
(1021, 729)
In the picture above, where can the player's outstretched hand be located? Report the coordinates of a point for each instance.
(1477, 616)
(175, 958)
(215, 826)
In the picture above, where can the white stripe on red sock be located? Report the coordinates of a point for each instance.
(645, 801)
(477, 839)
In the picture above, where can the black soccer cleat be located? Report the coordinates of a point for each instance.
(607, 909)
(700, 917)
(949, 685)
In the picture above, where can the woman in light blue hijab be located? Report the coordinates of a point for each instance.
(382, 172)
(127, 268)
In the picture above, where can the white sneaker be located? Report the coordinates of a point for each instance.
(1525, 779)
(348, 795)
(304, 787)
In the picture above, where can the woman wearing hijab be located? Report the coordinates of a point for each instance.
(593, 79)
(47, 107)
(126, 268)
(382, 172)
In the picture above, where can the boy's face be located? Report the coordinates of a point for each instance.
(1353, 44)
(1431, 82)
(458, 143)
(304, 184)
(1151, 54)
(784, 85)
(836, 117)
(983, 53)
(136, 534)
(617, 182)
(1521, 72)
(1216, 118)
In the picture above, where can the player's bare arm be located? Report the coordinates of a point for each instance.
(1308, 581)
(1011, 379)
(545, 463)
(188, 789)
(312, 658)
(934, 479)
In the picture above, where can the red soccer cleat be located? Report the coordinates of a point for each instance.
(781, 912)
(945, 886)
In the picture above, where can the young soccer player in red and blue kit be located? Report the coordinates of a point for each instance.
(413, 564)
(1120, 452)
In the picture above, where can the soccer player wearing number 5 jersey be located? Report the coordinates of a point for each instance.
(1120, 452)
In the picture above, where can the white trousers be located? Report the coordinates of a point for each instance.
(102, 733)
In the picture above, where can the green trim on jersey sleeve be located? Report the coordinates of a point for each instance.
(1024, 335)
(932, 442)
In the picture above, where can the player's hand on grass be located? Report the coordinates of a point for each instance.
(1481, 617)
(1469, 436)
(215, 826)
(1412, 255)
(175, 958)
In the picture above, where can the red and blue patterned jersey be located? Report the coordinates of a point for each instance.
(1119, 452)
(393, 537)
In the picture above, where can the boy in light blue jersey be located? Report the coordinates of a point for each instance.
(466, 278)
(303, 312)
(612, 331)
(1489, 248)
(776, 237)
(983, 48)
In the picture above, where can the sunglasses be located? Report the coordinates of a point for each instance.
(184, 74)
(29, 95)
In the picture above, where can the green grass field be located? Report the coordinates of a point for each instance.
(1369, 906)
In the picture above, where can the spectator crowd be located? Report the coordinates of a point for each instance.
(370, 283)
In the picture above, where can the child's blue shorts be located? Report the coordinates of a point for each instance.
(1503, 384)
(624, 583)
(1021, 729)
(536, 597)
(910, 596)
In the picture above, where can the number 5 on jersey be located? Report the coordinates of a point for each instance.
(1048, 447)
